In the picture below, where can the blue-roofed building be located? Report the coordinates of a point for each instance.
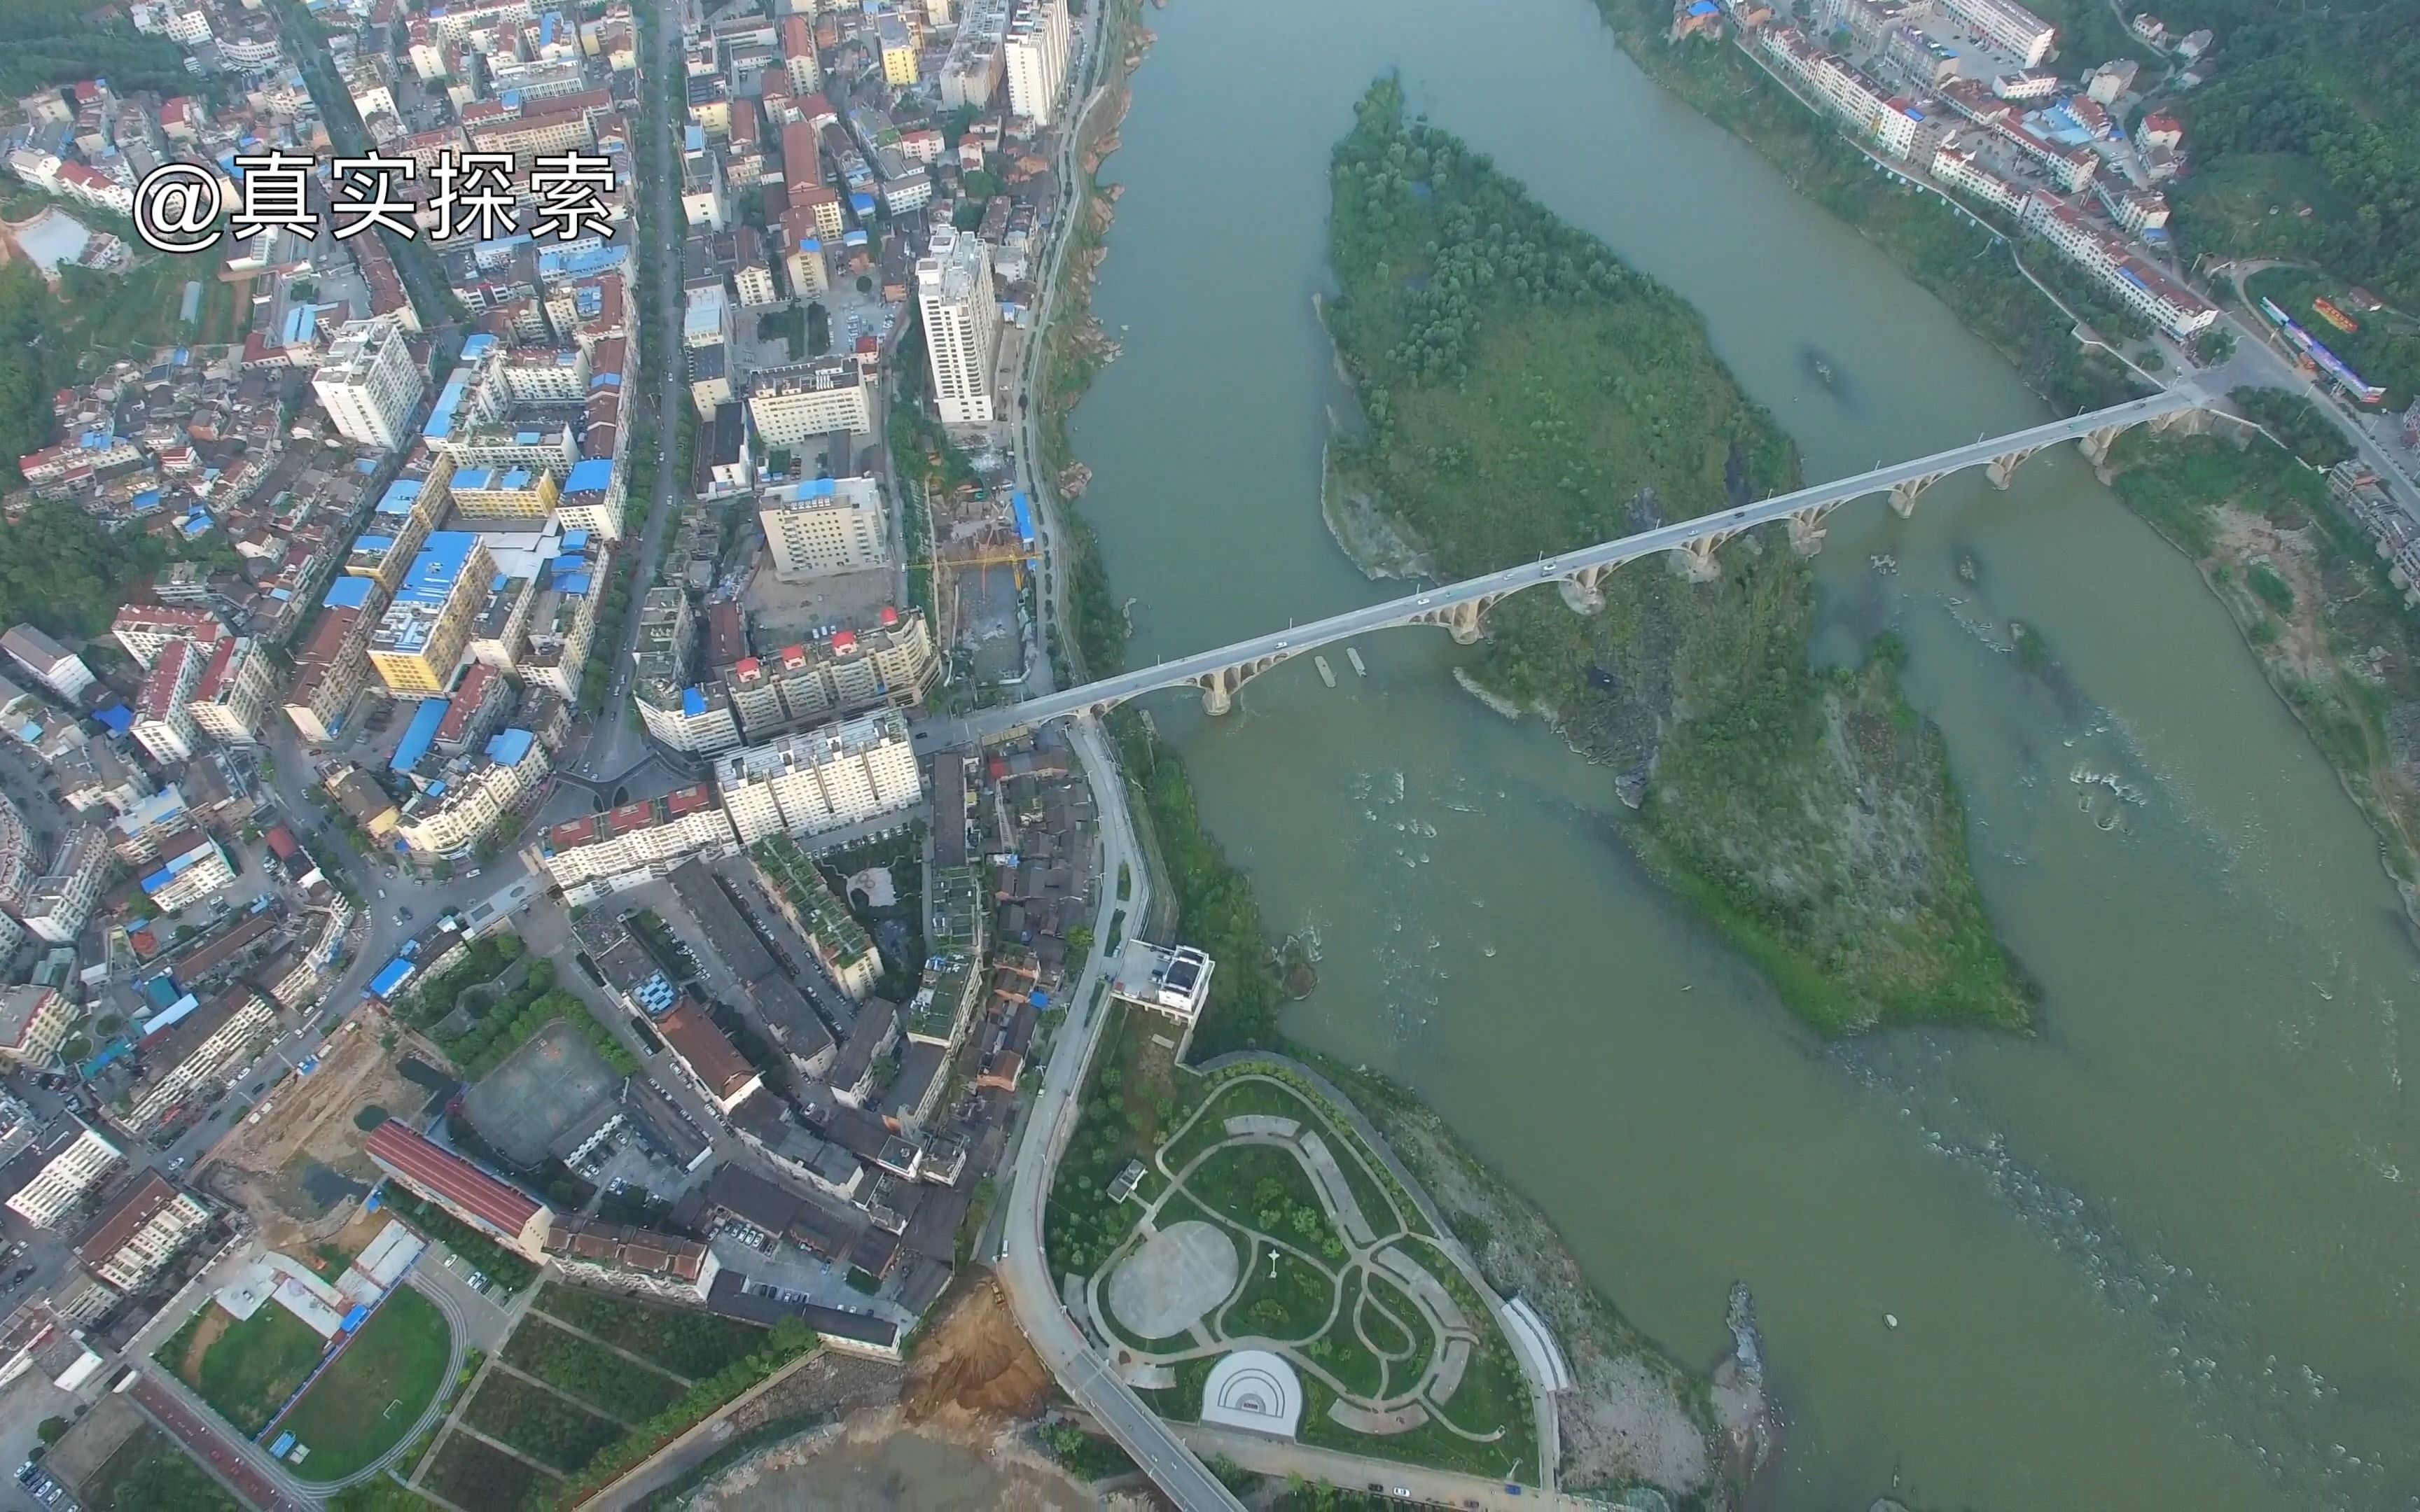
(450, 818)
(418, 734)
(420, 638)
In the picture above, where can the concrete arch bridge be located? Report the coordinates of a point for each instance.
(1461, 608)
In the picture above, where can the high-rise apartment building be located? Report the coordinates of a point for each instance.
(368, 382)
(961, 314)
(422, 635)
(822, 525)
(1035, 52)
(163, 725)
(820, 778)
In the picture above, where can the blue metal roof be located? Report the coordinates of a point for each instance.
(398, 972)
(692, 702)
(418, 734)
(438, 567)
(402, 496)
(507, 747)
(590, 473)
(350, 591)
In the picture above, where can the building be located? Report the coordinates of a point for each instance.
(705, 1054)
(892, 661)
(794, 405)
(406, 513)
(56, 668)
(34, 1023)
(1173, 980)
(19, 858)
(819, 525)
(164, 718)
(140, 1231)
(961, 318)
(515, 1218)
(898, 48)
(635, 1260)
(334, 665)
(59, 902)
(842, 946)
(452, 822)
(233, 693)
(369, 383)
(504, 495)
(589, 856)
(146, 629)
(423, 633)
(208, 1045)
(192, 866)
(2008, 24)
(1034, 52)
(821, 779)
(72, 1166)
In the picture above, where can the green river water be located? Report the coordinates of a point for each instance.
(2160, 1257)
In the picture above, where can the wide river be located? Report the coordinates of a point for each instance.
(2161, 1256)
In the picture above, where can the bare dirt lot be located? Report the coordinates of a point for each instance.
(975, 1362)
(299, 1168)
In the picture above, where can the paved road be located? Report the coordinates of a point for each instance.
(991, 724)
(245, 1466)
(1437, 1487)
(1024, 1271)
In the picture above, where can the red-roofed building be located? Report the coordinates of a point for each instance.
(477, 705)
(596, 853)
(705, 1053)
(519, 1221)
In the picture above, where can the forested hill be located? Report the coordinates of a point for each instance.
(60, 42)
(2337, 89)
(1527, 392)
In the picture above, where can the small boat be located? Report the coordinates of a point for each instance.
(1326, 673)
(1353, 655)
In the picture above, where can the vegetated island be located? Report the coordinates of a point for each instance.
(1527, 392)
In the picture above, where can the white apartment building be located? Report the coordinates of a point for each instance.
(68, 1178)
(20, 858)
(146, 629)
(1035, 54)
(794, 404)
(698, 719)
(821, 525)
(961, 314)
(368, 382)
(210, 1044)
(192, 866)
(34, 1023)
(473, 803)
(54, 666)
(592, 856)
(2009, 24)
(59, 902)
(141, 1231)
(228, 703)
(164, 718)
(1960, 171)
(820, 778)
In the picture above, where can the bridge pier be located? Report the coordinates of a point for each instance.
(1462, 623)
(1696, 560)
(2095, 444)
(2002, 470)
(1581, 594)
(1217, 698)
(2191, 422)
(1807, 528)
(1905, 495)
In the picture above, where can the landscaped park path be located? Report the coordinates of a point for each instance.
(1266, 1456)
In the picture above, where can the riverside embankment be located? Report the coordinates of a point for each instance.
(2133, 1259)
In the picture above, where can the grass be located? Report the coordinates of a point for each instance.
(1253, 1185)
(1288, 1301)
(249, 1370)
(380, 1494)
(374, 1394)
(1375, 1292)
(149, 1473)
(2223, 207)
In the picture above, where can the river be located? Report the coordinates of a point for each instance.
(2158, 1256)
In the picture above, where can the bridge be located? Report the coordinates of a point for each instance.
(1462, 607)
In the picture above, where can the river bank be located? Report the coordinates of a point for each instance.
(2296, 573)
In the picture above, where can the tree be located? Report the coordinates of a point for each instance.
(53, 1429)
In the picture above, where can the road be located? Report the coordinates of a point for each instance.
(994, 724)
(1024, 1271)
